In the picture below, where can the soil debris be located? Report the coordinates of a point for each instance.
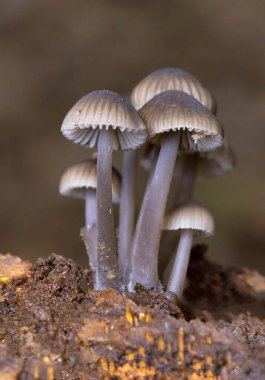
(12, 267)
(52, 328)
(222, 291)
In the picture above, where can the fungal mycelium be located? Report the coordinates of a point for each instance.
(174, 116)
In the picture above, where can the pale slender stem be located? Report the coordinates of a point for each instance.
(179, 270)
(126, 219)
(182, 193)
(91, 207)
(89, 236)
(143, 266)
(106, 275)
(89, 232)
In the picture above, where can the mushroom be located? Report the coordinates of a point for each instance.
(80, 181)
(163, 80)
(105, 121)
(173, 119)
(190, 219)
(205, 164)
(171, 79)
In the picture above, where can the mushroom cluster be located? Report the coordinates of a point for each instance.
(173, 116)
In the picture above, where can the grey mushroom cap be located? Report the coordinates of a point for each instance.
(173, 111)
(171, 79)
(190, 216)
(104, 110)
(82, 176)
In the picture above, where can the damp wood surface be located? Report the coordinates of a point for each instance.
(52, 326)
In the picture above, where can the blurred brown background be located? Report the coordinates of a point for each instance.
(53, 52)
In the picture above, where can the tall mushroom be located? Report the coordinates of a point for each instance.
(105, 121)
(174, 79)
(190, 219)
(79, 181)
(175, 120)
(165, 79)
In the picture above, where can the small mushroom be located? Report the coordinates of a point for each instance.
(189, 219)
(171, 79)
(192, 165)
(175, 120)
(105, 121)
(80, 181)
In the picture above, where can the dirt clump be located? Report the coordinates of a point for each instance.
(51, 327)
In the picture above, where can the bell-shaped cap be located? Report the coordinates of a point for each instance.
(190, 216)
(104, 109)
(173, 111)
(171, 79)
(79, 178)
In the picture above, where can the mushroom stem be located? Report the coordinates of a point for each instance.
(180, 266)
(143, 266)
(91, 207)
(106, 275)
(89, 232)
(185, 186)
(182, 193)
(89, 236)
(126, 218)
